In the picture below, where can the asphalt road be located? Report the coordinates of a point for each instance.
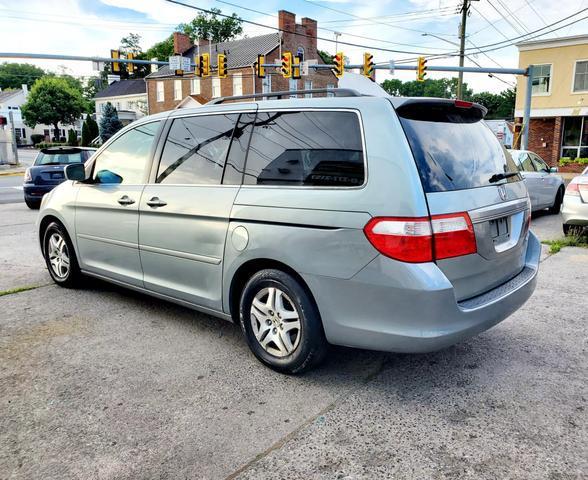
(105, 383)
(11, 185)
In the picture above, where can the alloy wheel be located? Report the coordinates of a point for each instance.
(58, 256)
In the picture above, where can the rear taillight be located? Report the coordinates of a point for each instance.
(463, 104)
(27, 176)
(573, 188)
(415, 239)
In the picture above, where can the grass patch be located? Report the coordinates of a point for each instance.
(19, 289)
(570, 241)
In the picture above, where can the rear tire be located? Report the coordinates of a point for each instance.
(33, 204)
(281, 323)
(60, 257)
(556, 207)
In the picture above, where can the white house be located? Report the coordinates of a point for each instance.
(129, 97)
(10, 102)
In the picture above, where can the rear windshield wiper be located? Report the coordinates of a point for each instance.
(501, 176)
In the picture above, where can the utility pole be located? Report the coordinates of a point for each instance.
(462, 37)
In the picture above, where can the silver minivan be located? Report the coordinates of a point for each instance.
(394, 224)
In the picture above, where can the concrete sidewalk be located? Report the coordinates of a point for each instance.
(26, 157)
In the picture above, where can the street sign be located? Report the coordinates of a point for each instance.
(175, 62)
(391, 67)
(304, 69)
(186, 64)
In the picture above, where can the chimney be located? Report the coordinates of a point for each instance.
(25, 89)
(182, 43)
(286, 21)
(310, 27)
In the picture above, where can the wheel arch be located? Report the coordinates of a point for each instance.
(45, 222)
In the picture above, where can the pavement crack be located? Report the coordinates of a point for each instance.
(379, 368)
(26, 288)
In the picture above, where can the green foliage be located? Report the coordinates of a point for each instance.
(563, 161)
(131, 43)
(93, 128)
(85, 140)
(52, 100)
(37, 138)
(109, 123)
(212, 27)
(499, 105)
(72, 138)
(579, 240)
(161, 50)
(14, 75)
(326, 57)
(49, 144)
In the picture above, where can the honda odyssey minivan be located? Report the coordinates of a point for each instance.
(393, 224)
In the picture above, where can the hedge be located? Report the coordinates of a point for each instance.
(572, 161)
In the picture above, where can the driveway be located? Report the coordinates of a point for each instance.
(109, 384)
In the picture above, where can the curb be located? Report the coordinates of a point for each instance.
(11, 174)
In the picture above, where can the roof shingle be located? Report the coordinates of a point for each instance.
(122, 88)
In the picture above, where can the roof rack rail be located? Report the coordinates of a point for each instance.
(337, 92)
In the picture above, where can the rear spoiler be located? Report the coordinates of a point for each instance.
(439, 109)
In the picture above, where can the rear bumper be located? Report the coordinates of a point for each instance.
(393, 306)
(574, 211)
(36, 192)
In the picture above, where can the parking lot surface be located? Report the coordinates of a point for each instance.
(106, 383)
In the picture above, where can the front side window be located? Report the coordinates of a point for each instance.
(314, 148)
(581, 76)
(160, 92)
(539, 164)
(196, 149)
(541, 79)
(126, 158)
(177, 89)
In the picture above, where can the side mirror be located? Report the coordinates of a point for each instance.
(553, 170)
(75, 172)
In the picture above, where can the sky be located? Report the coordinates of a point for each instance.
(93, 27)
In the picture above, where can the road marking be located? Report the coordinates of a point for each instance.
(18, 187)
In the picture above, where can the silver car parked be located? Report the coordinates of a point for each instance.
(575, 204)
(546, 189)
(395, 224)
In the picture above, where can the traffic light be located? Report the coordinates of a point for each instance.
(204, 65)
(222, 65)
(296, 67)
(130, 66)
(115, 54)
(421, 69)
(368, 65)
(259, 66)
(287, 64)
(339, 64)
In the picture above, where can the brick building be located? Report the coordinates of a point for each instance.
(165, 91)
(559, 98)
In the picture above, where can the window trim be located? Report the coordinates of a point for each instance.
(577, 92)
(154, 149)
(235, 76)
(216, 81)
(548, 93)
(577, 147)
(194, 81)
(181, 90)
(157, 84)
(263, 109)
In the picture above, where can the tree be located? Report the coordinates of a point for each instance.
(161, 50)
(210, 26)
(326, 57)
(52, 100)
(14, 75)
(85, 140)
(92, 127)
(72, 138)
(442, 88)
(131, 44)
(109, 123)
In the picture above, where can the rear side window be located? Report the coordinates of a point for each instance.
(196, 149)
(453, 148)
(309, 148)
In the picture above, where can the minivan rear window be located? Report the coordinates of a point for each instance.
(453, 148)
(308, 148)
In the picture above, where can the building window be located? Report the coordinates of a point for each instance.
(574, 139)
(293, 86)
(216, 87)
(300, 53)
(541, 80)
(195, 86)
(266, 84)
(177, 89)
(238, 84)
(308, 86)
(160, 94)
(581, 76)
(330, 86)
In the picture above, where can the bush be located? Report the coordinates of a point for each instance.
(37, 138)
(85, 140)
(573, 161)
(72, 138)
(49, 144)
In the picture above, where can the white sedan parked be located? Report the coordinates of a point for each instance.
(575, 203)
(546, 189)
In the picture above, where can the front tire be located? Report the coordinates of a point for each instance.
(60, 257)
(281, 322)
(556, 207)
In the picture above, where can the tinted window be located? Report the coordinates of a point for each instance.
(196, 149)
(126, 158)
(452, 147)
(233, 174)
(305, 148)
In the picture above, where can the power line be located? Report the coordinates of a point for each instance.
(257, 24)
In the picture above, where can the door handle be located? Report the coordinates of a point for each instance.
(156, 202)
(125, 200)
